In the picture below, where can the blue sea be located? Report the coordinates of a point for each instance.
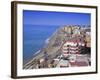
(34, 37)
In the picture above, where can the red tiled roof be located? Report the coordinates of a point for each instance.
(82, 63)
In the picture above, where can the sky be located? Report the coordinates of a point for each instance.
(31, 17)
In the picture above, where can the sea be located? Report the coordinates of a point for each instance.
(35, 38)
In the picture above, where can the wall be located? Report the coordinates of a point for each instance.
(5, 41)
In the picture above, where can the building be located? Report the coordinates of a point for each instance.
(72, 47)
(69, 47)
(68, 29)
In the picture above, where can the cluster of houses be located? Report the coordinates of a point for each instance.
(78, 39)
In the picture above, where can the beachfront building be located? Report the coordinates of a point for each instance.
(69, 47)
(71, 52)
(67, 32)
(72, 47)
(76, 31)
(68, 29)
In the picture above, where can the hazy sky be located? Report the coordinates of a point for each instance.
(55, 18)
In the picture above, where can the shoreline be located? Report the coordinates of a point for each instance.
(52, 46)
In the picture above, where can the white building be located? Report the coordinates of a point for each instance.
(71, 47)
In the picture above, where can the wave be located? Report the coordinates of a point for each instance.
(47, 40)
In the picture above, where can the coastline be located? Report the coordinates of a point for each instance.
(53, 46)
(47, 46)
